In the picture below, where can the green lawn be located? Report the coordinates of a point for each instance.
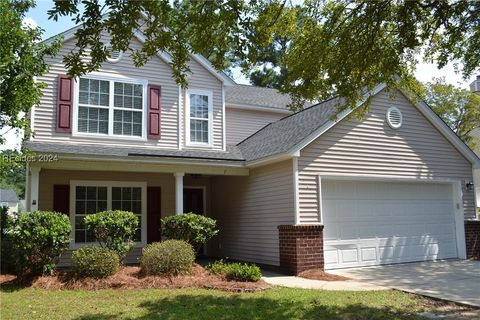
(279, 303)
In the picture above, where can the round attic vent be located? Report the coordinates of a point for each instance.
(113, 55)
(394, 118)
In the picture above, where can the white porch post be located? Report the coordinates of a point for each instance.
(179, 192)
(34, 181)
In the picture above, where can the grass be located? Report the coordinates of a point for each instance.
(278, 303)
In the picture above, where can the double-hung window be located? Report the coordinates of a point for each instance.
(90, 197)
(111, 107)
(199, 118)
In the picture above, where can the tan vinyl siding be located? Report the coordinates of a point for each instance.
(156, 72)
(201, 79)
(371, 147)
(242, 123)
(248, 211)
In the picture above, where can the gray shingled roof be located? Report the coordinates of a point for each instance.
(256, 96)
(8, 195)
(232, 153)
(284, 134)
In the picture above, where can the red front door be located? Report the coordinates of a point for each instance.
(154, 214)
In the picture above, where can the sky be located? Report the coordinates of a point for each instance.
(38, 16)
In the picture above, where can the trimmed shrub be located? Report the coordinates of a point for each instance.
(38, 239)
(114, 230)
(170, 257)
(96, 262)
(190, 227)
(235, 271)
(7, 263)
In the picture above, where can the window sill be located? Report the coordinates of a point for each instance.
(108, 137)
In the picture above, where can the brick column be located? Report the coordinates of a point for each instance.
(472, 239)
(301, 247)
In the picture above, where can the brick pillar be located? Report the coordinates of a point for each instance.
(472, 239)
(301, 247)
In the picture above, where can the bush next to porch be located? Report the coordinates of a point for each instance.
(114, 230)
(235, 271)
(38, 239)
(95, 262)
(192, 228)
(170, 257)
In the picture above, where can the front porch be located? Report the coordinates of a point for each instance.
(68, 187)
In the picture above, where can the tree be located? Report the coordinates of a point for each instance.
(21, 60)
(331, 47)
(458, 107)
(12, 171)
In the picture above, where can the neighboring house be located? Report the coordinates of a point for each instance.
(394, 187)
(8, 198)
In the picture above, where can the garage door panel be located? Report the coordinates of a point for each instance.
(371, 223)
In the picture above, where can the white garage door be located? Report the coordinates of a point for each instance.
(372, 223)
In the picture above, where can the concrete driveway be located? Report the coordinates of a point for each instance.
(453, 280)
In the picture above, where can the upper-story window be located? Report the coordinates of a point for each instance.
(199, 118)
(113, 107)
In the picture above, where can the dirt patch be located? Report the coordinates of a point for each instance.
(132, 278)
(450, 310)
(319, 274)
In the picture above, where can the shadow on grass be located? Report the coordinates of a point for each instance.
(238, 307)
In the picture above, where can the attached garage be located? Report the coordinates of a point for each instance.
(382, 222)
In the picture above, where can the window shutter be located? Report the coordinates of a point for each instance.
(61, 198)
(154, 93)
(64, 104)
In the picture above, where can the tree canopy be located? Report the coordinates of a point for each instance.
(459, 108)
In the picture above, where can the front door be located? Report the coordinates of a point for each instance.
(153, 214)
(193, 200)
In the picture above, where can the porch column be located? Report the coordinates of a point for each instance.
(34, 181)
(179, 192)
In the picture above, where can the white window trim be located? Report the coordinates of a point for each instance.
(109, 185)
(209, 94)
(110, 135)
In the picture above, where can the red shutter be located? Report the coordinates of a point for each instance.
(64, 104)
(154, 93)
(61, 198)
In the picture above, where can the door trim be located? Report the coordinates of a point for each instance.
(204, 192)
(458, 210)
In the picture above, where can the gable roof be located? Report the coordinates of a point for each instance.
(247, 95)
(220, 75)
(287, 136)
(8, 195)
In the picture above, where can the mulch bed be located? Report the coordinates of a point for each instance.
(132, 278)
(319, 274)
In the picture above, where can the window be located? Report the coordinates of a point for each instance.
(111, 107)
(95, 196)
(88, 200)
(129, 199)
(199, 118)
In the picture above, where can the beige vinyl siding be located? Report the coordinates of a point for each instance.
(371, 147)
(156, 72)
(241, 123)
(202, 79)
(248, 211)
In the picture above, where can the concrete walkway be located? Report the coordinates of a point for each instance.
(297, 282)
(452, 280)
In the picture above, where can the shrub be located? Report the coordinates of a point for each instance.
(236, 271)
(7, 263)
(114, 230)
(97, 262)
(38, 239)
(192, 228)
(171, 257)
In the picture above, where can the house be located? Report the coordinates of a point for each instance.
(8, 198)
(291, 190)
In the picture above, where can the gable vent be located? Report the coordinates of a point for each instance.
(394, 118)
(113, 55)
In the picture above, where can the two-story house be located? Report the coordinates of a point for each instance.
(292, 190)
